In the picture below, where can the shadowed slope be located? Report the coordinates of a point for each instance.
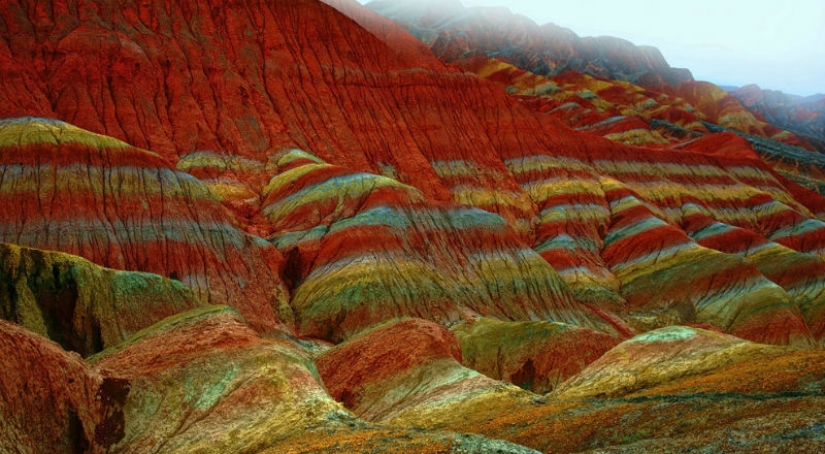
(82, 306)
(49, 399)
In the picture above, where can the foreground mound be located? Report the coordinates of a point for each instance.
(201, 381)
(743, 397)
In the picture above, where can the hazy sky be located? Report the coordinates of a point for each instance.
(779, 45)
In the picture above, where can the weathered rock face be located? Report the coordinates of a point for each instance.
(83, 307)
(382, 117)
(69, 190)
(49, 399)
(259, 81)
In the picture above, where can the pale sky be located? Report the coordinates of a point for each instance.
(779, 45)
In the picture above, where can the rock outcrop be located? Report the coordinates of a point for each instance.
(83, 307)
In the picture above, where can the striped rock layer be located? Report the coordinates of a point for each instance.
(363, 248)
(395, 234)
(234, 93)
(66, 189)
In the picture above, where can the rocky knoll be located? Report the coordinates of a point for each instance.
(83, 307)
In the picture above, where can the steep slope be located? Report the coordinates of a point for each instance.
(66, 189)
(49, 399)
(377, 115)
(83, 307)
(263, 79)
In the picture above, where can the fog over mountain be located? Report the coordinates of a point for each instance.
(776, 45)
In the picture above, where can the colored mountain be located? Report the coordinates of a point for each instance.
(454, 31)
(295, 227)
(70, 190)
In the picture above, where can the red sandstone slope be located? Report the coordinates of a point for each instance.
(69, 190)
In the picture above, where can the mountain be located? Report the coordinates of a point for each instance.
(604, 85)
(295, 227)
(455, 32)
(804, 115)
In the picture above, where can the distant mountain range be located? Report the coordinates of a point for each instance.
(456, 33)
